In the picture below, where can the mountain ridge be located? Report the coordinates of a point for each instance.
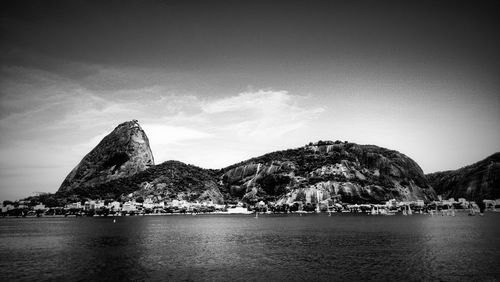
(480, 180)
(324, 170)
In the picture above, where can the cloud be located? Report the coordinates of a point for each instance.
(260, 114)
(168, 135)
(49, 122)
(261, 101)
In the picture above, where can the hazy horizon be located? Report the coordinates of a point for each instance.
(217, 82)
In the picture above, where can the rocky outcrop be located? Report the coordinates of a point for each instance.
(478, 181)
(325, 170)
(122, 153)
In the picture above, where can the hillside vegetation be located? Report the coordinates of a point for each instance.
(474, 182)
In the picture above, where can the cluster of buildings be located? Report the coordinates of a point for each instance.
(150, 206)
(462, 203)
(101, 207)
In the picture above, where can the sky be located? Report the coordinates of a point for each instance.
(217, 82)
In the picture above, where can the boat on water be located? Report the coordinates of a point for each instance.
(386, 212)
(407, 210)
(381, 210)
(474, 209)
(329, 211)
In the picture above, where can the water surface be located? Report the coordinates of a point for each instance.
(272, 247)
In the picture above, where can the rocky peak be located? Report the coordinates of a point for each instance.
(122, 153)
(356, 173)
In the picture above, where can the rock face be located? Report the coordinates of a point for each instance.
(474, 182)
(122, 153)
(325, 170)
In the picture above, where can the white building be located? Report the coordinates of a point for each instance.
(129, 207)
(148, 203)
(99, 204)
(391, 203)
(181, 203)
(75, 205)
(114, 206)
(89, 205)
(39, 207)
(7, 208)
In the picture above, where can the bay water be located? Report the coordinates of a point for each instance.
(312, 247)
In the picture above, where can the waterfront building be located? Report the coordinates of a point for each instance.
(115, 205)
(99, 204)
(75, 205)
(89, 205)
(129, 207)
(148, 203)
(391, 203)
(7, 208)
(161, 204)
(39, 207)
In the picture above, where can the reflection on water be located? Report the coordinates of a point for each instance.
(312, 247)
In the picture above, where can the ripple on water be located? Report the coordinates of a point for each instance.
(242, 248)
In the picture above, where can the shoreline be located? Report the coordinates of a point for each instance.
(251, 214)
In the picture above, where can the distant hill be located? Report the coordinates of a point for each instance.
(122, 164)
(474, 182)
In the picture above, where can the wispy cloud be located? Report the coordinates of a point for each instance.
(54, 121)
(261, 101)
(261, 114)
